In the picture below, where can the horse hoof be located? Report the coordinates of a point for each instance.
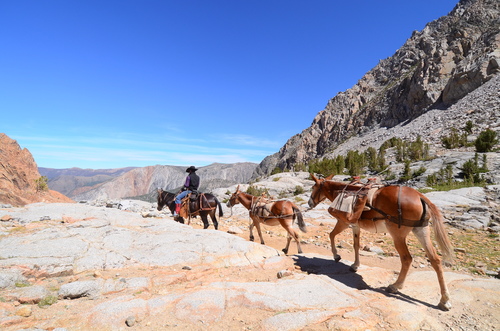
(353, 268)
(337, 258)
(391, 289)
(285, 251)
(445, 306)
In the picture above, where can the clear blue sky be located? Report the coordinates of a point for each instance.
(116, 83)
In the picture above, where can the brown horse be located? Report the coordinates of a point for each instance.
(206, 204)
(281, 212)
(397, 210)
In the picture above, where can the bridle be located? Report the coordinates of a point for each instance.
(163, 198)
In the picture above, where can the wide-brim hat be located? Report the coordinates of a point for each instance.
(191, 168)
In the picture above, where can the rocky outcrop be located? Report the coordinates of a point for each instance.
(434, 69)
(18, 173)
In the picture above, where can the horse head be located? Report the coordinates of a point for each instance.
(160, 201)
(164, 198)
(233, 200)
(317, 194)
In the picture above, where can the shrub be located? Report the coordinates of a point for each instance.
(300, 167)
(298, 190)
(41, 184)
(454, 139)
(255, 191)
(47, 301)
(486, 140)
(468, 127)
(276, 170)
(472, 171)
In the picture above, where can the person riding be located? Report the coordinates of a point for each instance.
(191, 184)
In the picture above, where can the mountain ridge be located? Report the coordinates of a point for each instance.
(435, 68)
(141, 181)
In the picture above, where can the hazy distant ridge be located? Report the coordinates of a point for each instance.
(88, 184)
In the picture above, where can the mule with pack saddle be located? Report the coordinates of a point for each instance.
(395, 209)
(265, 211)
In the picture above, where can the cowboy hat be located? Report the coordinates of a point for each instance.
(191, 168)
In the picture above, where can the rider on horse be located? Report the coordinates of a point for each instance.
(191, 184)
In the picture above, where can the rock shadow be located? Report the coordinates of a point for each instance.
(342, 273)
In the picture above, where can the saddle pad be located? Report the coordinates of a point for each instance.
(262, 209)
(344, 202)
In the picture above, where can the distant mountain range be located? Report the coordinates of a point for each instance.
(89, 184)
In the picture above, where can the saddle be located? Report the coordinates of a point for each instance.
(261, 208)
(193, 203)
(355, 198)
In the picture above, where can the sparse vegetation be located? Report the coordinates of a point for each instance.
(276, 170)
(47, 301)
(298, 190)
(454, 139)
(486, 140)
(256, 191)
(42, 184)
(444, 180)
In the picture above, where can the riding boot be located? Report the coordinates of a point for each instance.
(177, 209)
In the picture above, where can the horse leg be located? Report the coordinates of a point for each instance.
(423, 235)
(339, 227)
(288, 240)
(256, 222)
(204, 218)
(287, 225)
(214, 219)
(355, 236)
(250, 227)
(399, 237)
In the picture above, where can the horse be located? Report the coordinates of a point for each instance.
(204, 205)
(398, 210)
(261, 210)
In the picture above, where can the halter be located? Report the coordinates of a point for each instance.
(236, 197)
(313, 198)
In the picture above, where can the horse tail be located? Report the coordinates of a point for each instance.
(300, 219)
(221, 213)
(439, 230)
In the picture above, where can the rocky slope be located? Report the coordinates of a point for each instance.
(18, 173)
(144, 181)
(436, 68)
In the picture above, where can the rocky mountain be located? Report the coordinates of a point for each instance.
(74, 181)
(435, 69)
(144, 181)
(18, 175)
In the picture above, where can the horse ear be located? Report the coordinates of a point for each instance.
(329, 177)
(160, 190)
(237, 188)
(314, 178)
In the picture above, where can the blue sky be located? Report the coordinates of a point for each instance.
(117, 83)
